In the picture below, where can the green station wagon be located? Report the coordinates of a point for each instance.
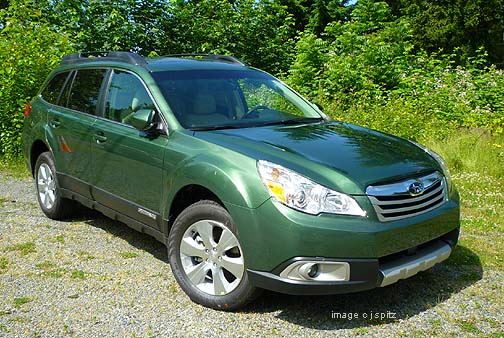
(248, 184)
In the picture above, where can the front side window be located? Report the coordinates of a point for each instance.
(210, 99)
(126, 95)
(52, 91)
(86, 90)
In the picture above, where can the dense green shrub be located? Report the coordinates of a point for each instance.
(260, 33)
(362, 60)
(29, 50)
(365, 71)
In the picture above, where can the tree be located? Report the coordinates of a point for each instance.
(29, 48)
(259, 32)
(465, 25)
(363, 55)
(132, 25)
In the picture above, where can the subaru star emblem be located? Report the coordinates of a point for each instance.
(416, 188)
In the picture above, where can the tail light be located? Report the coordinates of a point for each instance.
(27, 109)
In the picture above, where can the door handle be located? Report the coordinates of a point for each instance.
(55, 123)
(100, 137)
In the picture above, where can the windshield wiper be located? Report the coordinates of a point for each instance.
(261, 124)
(218, 127)
(292, 121)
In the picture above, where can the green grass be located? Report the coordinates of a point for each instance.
(482, 211)
(4, 263)
(84, 255)
(469, 327)
(18, 302)
(78, 274)
(24, 248)
(49, 269)
(60, 239)
(14, 167)
(46, 265)
(128, 254)
(471, 152)
(3, 201)
(476, 161)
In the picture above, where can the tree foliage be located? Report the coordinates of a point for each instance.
(259, 32)
(29, 49)
(378, 63)
(461, 25)
(368, 71)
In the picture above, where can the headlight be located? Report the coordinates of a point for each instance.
(301, 193)
(440, 160)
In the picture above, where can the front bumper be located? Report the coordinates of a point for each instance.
(365, 274)
(274, 235)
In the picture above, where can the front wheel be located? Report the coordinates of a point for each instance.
(206, 258)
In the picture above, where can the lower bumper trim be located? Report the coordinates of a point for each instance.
(408, 266)
(364, 275)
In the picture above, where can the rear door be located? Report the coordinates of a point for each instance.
(128, 163)
(70, 129)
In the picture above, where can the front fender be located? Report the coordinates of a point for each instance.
(233, 179)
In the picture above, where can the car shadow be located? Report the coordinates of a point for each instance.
(395, 302)
(137, 239)
(398, 301)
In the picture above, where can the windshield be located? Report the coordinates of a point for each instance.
(213, 99)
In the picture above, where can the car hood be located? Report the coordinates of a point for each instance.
(343, 156)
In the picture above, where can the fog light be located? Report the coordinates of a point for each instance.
(309, 270)
(312, 271)
(322, 271)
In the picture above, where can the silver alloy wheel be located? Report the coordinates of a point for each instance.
(211, 257)
(46, 185)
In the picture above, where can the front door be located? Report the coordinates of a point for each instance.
(128, 163)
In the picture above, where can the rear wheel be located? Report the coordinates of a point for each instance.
(207, 259)
(48, 190)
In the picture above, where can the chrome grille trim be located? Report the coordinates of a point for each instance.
(413, 199)
(394, 201)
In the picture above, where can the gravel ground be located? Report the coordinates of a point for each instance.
(94, 277)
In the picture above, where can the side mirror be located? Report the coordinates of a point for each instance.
(142, 119)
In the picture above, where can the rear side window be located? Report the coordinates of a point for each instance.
(86, 90)
(52, 91)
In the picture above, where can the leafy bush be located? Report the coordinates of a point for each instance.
(260, 33)
(366, 71)
(29, 50)
(361, 60)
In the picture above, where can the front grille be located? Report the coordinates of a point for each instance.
(400, 199)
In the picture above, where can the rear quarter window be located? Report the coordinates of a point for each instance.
(51, 93)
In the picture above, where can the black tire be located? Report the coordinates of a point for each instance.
(202, 211)
(61, 207)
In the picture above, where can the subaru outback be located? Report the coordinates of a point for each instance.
(248, 184)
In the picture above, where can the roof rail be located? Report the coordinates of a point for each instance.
(128, 57)
(215, 57)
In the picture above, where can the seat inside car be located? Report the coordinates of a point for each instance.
(204, 111)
